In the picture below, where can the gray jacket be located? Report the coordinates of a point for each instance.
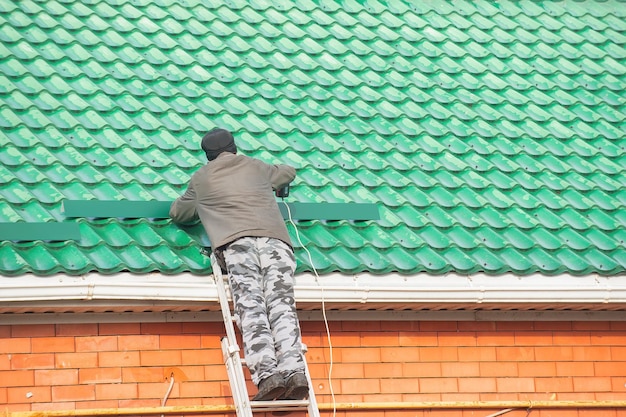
(233, 197)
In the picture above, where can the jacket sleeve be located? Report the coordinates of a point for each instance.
(183, 209)
(282, 175)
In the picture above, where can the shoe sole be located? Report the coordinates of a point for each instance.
(271, 395)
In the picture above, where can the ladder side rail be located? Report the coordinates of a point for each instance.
(230, 348)
(312, 407)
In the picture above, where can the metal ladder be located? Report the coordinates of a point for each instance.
(234, 365)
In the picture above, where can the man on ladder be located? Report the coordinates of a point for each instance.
(233, 196)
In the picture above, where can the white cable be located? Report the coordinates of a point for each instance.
(167, 394)
(330, 345)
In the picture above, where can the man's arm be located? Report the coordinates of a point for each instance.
(282, 175)
(183, 209)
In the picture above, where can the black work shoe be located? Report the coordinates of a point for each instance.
(297, 387)
(270, 388)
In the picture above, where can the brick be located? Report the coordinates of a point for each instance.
(438, 385)
(592, 384)
(82, 405)
(553, 325)
(201, 356)
(99, 375)
(374, 339)
(32, 361)
(571, 338)
(53, 344)
(346, 339)
(160, 358)
(15, 345)
(515, 384)
(460, 369)
(399, 385)
(360, 355)
(158, 390)
(498, 369)
(147, 402)
(536, 369)
(210, 341)
(610, 368)
(595, 325)
(360, 386)
(554, 353)
(619, 384)
(515, 353)
(438, 326)
(203, 328)
(399, 354)
(73, 392)
(481, 385)
(118, 359)
(53, 406)
(575, 369)
(143, 374)
(554, 384)
(116, 391)
(351, 370)
(358, 326)
(533, 338)
(591, 353)
(5, 362)
(76, 360)
(32, 330)
(382, 370)
(119, 328)
(179, 341)
(218, 372)
(5, 331)
(495, 338)
(161, 328)
(96, 343)
(185, 373)
(608, 338)
(77, 329)
(28, 395)
(198, 389)
(477, 353)
(422, 369)
(418, 339)
(618, 352)
(457, 339)
(56, 377)
(438, 354)
(474, 326)
(18, 378)
(460, 396)
(138, 342)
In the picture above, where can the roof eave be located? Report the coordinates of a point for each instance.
(125, 292)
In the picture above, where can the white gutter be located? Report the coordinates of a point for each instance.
(362, 289)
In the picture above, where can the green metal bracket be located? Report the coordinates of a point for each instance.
(48, 231)
(160, 210)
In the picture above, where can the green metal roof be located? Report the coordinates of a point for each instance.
(491, 134)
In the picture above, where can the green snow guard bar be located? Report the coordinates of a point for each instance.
(58, 231)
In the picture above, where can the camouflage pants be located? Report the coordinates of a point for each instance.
(261, 281)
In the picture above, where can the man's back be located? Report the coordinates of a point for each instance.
(233, 196)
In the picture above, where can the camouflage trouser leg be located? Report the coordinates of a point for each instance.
(261, 280)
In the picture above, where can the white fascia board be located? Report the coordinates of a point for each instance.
(332, 288)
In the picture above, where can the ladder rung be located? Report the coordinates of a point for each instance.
(279, 405)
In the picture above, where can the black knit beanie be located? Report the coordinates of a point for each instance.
(217, 141)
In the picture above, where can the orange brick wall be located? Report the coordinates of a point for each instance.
(77, 366)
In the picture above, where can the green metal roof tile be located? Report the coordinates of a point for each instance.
(526, 93)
